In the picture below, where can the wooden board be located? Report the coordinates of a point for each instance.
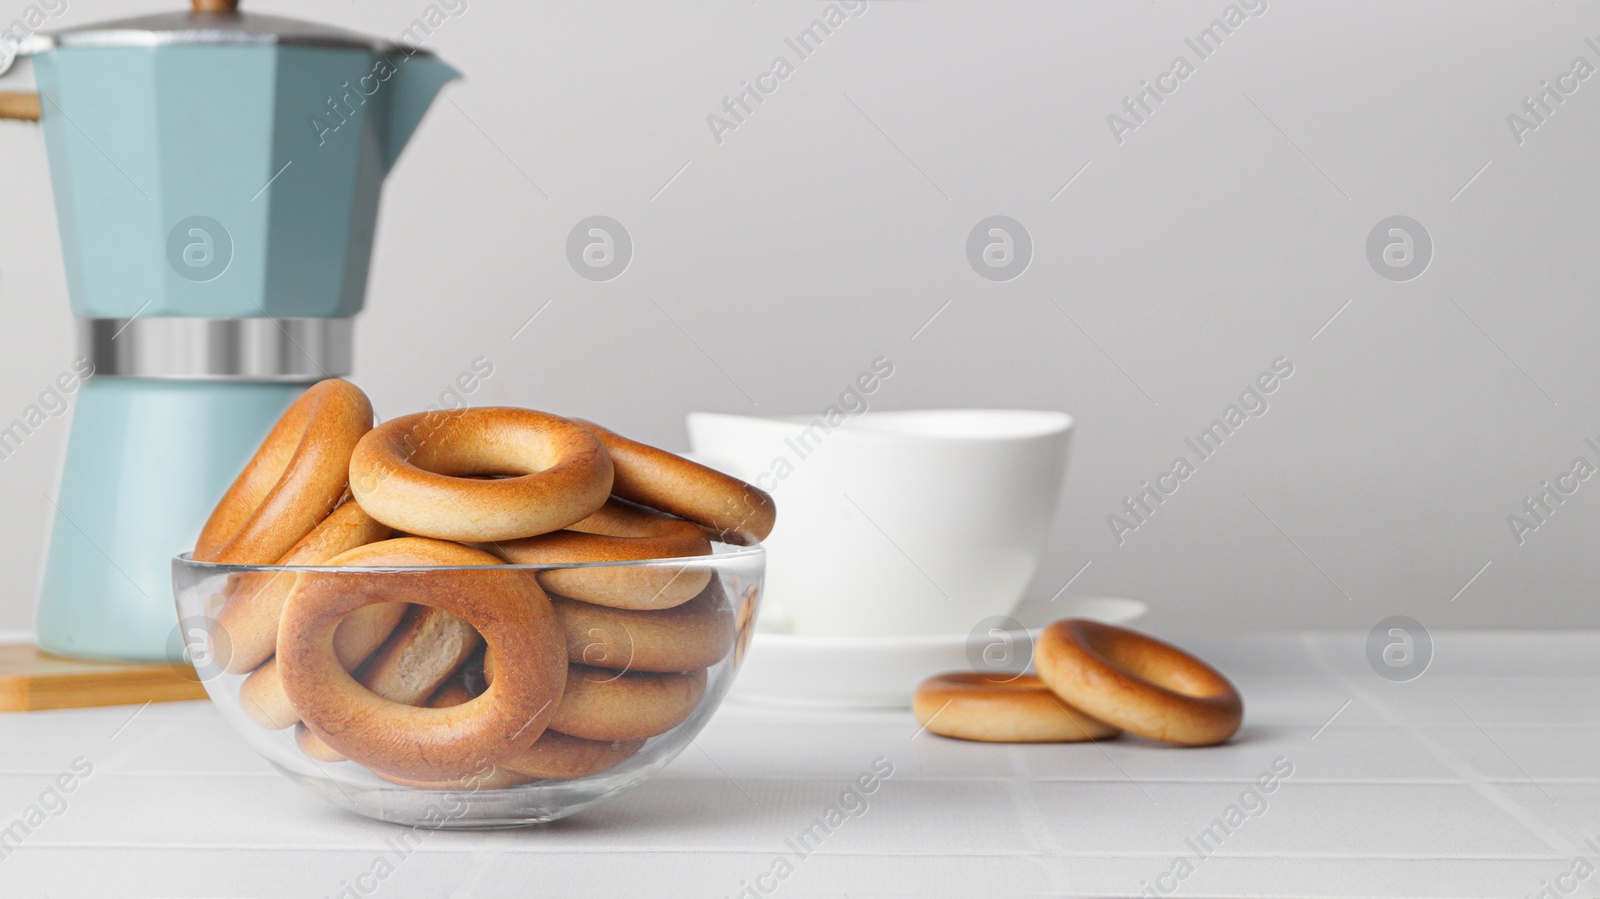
(31, 680)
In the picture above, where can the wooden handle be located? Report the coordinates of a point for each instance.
(21, 106)
(215, 5)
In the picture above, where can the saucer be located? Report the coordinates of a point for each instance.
(879, 672)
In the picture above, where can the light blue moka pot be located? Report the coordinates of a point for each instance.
(216, 178)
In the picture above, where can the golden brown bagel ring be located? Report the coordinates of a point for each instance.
(435, 474)
(606, 705)
(735, 512)
(262, 696)
(555, 756)
(619, 532)
(249, 621)
(496, 777)
(1003, 708)
(427, 647)
(312, 745)
(1137, 683)
(453, 692)
(697, 634)
(292, 482)
(505, 606)
(745, 624)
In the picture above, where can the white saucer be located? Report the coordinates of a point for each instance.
(880, 672)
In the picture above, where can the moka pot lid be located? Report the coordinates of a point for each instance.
(210, 22)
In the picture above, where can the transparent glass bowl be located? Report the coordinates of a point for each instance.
(723, 618)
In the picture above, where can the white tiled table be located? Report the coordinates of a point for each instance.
(1482, 778)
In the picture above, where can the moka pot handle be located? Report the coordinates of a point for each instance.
(22, 106)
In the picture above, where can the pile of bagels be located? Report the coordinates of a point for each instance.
(471, 672)
(1094, 681)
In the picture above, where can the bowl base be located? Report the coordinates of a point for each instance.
(428, 810)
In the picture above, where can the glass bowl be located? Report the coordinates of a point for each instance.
(707, 633)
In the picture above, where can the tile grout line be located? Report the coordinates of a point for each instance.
(1032, 821)
(268, 774)
(1160, 855)
(1551, 835)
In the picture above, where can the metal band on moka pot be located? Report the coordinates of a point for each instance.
(212, 349)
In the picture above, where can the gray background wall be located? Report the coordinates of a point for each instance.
(1228, 230)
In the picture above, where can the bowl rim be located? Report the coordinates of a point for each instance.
(721, 552)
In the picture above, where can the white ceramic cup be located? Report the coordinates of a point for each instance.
(897, 523)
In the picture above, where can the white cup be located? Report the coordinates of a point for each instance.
(897, 523)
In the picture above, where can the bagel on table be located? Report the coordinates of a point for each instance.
(1001, 708)
(1094, 680)
(1140, 684)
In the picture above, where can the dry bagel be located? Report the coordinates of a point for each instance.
(1137, 683)
(557, 756)
(694, 635)
(292, 482)
(453, 692)
(261, 694)
(492, 778)
(554, 756)
(604, 705)
(249, 620)
(427, 647)
(426, 744)
(733, 511)
(619, 532)
(1000, 708)
(312, 745)
(480, 474)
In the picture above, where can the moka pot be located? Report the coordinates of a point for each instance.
(216, 178)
